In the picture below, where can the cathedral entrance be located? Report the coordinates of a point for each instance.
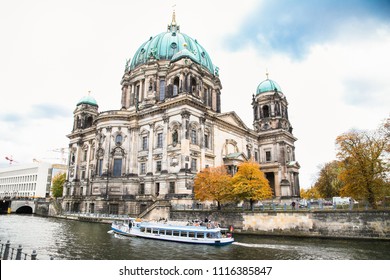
(271, 179)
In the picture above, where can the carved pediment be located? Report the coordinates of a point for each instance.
(232, 118)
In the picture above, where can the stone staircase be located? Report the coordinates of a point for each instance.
(159, 209)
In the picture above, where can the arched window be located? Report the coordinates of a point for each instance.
(118, 139)
(193, 86)
(265, 111)
(88, 121)
(176, 86)
(194, 136)
(78, 122)
(117, 172)
(175, 137)
(162, 90)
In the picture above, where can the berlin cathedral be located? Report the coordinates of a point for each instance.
(169, 127)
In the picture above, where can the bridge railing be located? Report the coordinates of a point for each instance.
(7, 252)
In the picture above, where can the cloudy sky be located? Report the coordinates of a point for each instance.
(329, 57)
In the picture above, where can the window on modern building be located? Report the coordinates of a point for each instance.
(144, 143)
(268, 156)
(117, 167)
(143, 168)
(159, 140)
(162, 90)
(193, 136)
(158, 166)
(193, 164)
(118, 139)
(171, 187)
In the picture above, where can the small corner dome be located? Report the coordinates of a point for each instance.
(88, 100)
(267, 86)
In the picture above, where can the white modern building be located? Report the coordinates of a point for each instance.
(169, 126)
(27, 180)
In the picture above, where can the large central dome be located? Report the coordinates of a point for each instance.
(172, 45)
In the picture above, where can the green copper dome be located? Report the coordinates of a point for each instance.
(268, 85)
(172, 45)
(87, 100)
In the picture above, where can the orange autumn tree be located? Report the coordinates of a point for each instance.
(249, 183)
(213, 183)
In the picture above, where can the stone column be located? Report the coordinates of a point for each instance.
(165, 163)
(133, 151)
(150, 148)
(202, 162)
(185, 136)
(277, 184)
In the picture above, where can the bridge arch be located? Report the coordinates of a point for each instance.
(24, 210)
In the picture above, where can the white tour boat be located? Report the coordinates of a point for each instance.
(209, 234)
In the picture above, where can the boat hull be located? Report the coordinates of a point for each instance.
(188, 240)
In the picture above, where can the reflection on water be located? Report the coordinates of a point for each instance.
(65, 239)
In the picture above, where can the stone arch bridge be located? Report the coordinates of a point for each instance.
(23, 206)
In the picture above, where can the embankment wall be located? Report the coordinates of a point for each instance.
(330, 224)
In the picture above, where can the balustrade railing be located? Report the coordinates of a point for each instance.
(8, 252)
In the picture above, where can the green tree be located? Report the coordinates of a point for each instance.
(213, 183)
(365, 162)
(58, 184)
(328, 183)
(249, 183)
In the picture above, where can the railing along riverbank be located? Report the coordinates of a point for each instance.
(8, 252)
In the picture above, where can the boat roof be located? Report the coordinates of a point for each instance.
(180, 228)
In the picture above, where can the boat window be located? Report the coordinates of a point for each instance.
(142, 229)
(191, 234)
(155, 230)
(176, 233)
(148, 230)
(200, 234)
(168, 232)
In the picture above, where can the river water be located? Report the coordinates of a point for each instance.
(69, 240)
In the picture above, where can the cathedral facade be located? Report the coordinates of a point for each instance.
(171, 126)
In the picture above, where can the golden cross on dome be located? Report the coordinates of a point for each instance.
(173, 16)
